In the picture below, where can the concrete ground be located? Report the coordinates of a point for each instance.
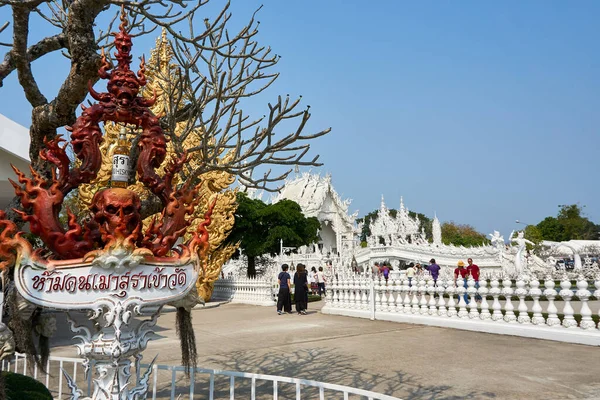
(403, 360)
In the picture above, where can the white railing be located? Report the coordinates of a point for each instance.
(257, 291)
(547, 309)
(170, 382)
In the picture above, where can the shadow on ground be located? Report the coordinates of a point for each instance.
(319, 364)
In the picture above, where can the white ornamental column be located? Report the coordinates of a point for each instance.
(415, 300)
(597, 293)
(423, 301)
(521, 292)
(451, 289)
(550, 294)
(472, 291)
(507, 291)
(485, 307)
(535, 292)
(462, 305)
(441, 305)
(432, 301)
(566, 293)
(584, 295)
(495, 292)
(407, 290)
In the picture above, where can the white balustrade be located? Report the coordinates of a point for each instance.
(424, 303)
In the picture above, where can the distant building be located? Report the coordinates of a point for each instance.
(317, 198)
(14, 149)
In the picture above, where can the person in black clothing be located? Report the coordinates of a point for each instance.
(301, 289)
(284, 300)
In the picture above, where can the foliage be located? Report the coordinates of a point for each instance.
(260, 227)
(19, 386)
(462, 235)
(569, 224)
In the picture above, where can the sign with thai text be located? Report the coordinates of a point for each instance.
(81, 286)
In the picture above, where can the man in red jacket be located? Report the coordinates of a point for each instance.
(473, 271)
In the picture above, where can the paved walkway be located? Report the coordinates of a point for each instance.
(408, 361)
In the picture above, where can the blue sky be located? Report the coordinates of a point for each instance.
(484, 112)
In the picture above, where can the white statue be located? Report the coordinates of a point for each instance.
(521, 243)
(497, 240)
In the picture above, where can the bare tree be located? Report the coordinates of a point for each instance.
(217, 71)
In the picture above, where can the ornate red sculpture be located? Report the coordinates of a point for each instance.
(115, 213)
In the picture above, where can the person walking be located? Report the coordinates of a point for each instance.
(473, 271)
(321, 282)
(434, 270)
(301, 289)
(410, 273)
(460, 277)
(314, 279)
(386, 272)
(284, 300)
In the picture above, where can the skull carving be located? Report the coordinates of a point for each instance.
(117, 211)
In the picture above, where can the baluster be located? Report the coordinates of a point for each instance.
(441, 290)
(495, 292)
(364, 298)
(566, 293)
(397, 295)
(521, 292)
(336, 293)
(462, 304)
(378, 294)
(451, 289)
(472, 291)
(424, 309)
(507, 291)
(485, 307)
(586, 313)
(407, 291)
(329, 294)
(357, 293)
(432, 301)
(389, 296)
(415, 298)
(550, 294)
(597, 293)
(535, 292)
(351, 295)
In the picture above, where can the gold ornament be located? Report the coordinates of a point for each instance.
(214, 183)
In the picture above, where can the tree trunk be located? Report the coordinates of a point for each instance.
(251, 267)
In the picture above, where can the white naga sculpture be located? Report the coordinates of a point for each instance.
(521, 243)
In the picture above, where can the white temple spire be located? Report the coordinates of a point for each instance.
(401, 204)
(436, 230)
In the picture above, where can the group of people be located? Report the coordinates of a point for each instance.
(417, 269)
(301, 288)
(462, 274)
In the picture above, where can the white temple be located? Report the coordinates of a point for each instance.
(14, 149)
(317, 198)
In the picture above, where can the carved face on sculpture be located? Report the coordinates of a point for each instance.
(117, 211)
(124, 86)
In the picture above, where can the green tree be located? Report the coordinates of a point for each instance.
(259, 227)
(462, 235)
(569, 224)
(551, 228)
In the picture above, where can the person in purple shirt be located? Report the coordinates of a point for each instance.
(434, 270)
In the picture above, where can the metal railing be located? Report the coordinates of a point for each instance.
(171, 382)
